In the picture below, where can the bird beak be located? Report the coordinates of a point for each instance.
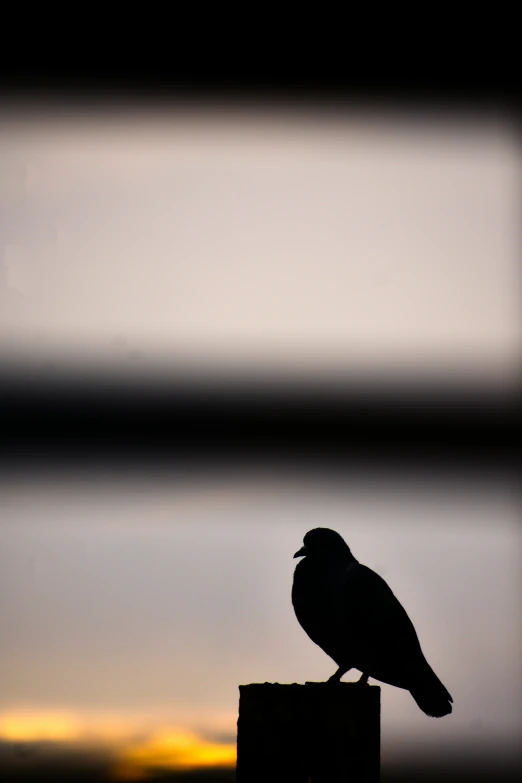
(302, 552)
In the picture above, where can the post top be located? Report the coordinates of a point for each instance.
(361, 688)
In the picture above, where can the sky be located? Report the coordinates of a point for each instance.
(132, 610)
(322, 243)
(238, 240)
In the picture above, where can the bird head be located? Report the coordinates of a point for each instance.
(323, 543)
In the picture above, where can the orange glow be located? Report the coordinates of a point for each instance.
(171, 749)
(136, 745)
(61, 726)
(32, 727)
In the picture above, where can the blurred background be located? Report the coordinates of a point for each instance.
(275, 242)
(334, 256)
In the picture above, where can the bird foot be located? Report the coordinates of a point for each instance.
(363, 680)
(333, 680)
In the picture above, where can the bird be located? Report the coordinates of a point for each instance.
(352, 614)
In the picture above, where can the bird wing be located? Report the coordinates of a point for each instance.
(383, 635)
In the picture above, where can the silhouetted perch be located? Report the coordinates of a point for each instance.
(315, 732)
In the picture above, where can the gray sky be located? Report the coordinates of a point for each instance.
(231, 239)
(235, 241)
(153, 600)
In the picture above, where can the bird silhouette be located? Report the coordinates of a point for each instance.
(351, 613)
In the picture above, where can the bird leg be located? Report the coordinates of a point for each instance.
(341, 671)
(363, 679)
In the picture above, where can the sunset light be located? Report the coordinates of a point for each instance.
(172, 749)
(137, 749)
(39, 727)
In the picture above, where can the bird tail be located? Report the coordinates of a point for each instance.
(432, 697)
